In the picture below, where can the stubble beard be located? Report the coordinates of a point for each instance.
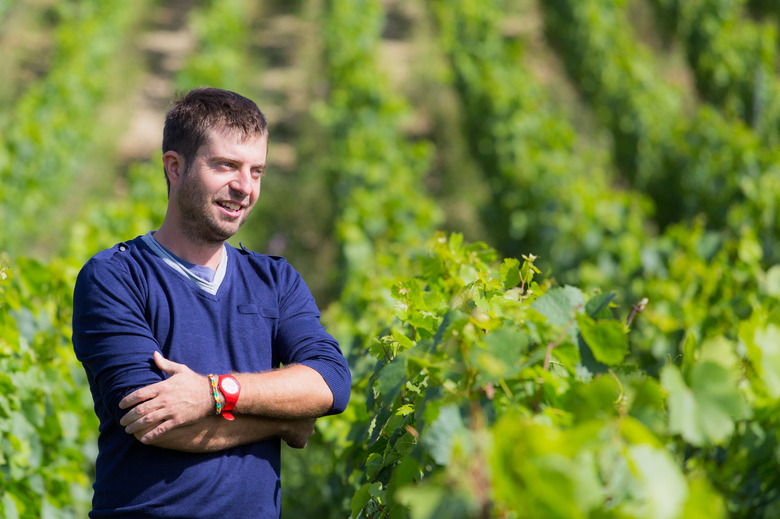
(201, 223)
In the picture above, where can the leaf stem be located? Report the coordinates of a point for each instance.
(552, 345)
(635, 309)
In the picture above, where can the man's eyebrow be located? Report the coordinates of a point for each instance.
(225, 158)
(216, 159)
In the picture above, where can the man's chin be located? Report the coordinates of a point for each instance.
(223, 233)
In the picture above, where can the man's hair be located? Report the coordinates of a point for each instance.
(200, 110)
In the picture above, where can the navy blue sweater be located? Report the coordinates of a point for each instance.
(129, 303)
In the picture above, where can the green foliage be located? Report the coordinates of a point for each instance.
(47, 429)
(486, 402)
(375, 173)
(221, 29)
(482, 386)
(732, 57)
(702, 165)
(53, 125)
(384, 215)
(616, 75)
(103, 225)
(549, 193)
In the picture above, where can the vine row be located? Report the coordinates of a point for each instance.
(733, 59)
(48, 142)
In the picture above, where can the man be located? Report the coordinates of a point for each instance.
(202, 357)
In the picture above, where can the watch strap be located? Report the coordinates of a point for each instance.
(231, 397)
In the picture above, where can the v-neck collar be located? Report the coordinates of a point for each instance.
(176, 264)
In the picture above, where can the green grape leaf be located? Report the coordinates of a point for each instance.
(763, 347)
(607, 339)
(374, 464)
(510, 273)
(704, 411)
(594, 399)
(10, 511)
(589, 366)
(402, 339)
(703, 501)
(772, 282)
(560, 305)
(399, 449)
(378, 424)
(502, 356)
(598, 303)
(363, 496)
(422, 500)
(391, 379)
(440, 436)
(662, 490)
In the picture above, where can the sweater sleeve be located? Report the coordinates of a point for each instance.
(302, 339)
(111, 336)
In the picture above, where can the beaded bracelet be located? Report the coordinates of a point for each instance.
(213, 380)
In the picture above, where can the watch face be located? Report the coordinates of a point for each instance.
(229, 385)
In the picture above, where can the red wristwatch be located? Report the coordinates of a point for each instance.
(230, 388)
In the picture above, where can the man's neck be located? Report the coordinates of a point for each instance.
(206, 254)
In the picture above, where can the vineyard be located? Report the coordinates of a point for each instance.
(545, 233)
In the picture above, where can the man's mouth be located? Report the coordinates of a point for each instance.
(231, 208)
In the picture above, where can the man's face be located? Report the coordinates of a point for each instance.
(219, 189)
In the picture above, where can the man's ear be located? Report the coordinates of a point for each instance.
(174, 166)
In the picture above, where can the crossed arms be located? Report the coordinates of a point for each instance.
(178, 412)
(116, 303)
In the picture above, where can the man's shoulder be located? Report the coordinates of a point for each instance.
(111, 252)
(121, 255)
(271, 269)
(262, 260)
(116, 270)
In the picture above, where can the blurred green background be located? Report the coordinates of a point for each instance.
(630, 144)
(669, 106)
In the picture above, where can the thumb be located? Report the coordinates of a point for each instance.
(168, 366)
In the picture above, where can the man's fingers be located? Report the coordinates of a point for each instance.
(136, 414)
(144, 422)
(182, 398)
(149, 392)
(149, 434)
(168, 366)
(138, 396)
(130, 417)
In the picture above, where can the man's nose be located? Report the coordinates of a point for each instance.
(242, 182)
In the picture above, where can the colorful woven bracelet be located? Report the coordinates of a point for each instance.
(213, 380)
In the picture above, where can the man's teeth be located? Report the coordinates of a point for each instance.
(228, 205)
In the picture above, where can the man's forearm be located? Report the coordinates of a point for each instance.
(215, 433)
(292, 392)
(182, 403)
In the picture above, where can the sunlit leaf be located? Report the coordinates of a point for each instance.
(441, 434)
(663, 488)
(510, 273)
(560, 305)
(607, 339)
(704, 411)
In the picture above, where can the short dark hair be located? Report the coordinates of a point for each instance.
(194, 113)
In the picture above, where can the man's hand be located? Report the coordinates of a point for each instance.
(183, 398)
(296, 432)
